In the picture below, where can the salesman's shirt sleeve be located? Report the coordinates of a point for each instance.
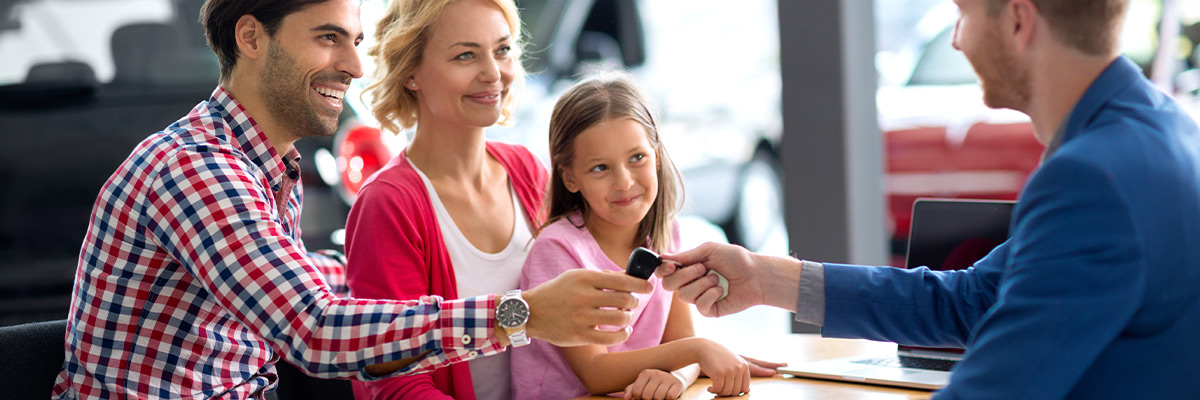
(810, 304)
(216, 219)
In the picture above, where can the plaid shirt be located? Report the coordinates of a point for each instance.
(193, 280)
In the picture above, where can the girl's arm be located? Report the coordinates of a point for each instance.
(679, 326)
(602, 372)
(679, 321)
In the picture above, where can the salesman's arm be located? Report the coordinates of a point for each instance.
(919, 306)
(1074, 281)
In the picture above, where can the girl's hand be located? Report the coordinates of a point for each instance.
(655, 384)
(762, 368)
(730, 373)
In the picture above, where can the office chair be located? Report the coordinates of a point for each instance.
(30, 357)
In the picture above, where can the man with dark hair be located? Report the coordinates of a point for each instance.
(193, 280)
(1094, 296)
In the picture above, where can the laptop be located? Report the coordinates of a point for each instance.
(946, 234)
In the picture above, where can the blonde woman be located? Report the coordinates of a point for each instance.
(451, 215)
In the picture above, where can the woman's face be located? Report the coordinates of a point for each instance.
(466, 70)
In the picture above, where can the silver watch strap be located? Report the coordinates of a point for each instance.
(517, 337)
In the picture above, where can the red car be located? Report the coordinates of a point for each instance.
(942, 141)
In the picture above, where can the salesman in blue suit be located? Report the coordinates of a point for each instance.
(1097, 293)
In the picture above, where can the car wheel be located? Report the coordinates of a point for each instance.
(759, 207)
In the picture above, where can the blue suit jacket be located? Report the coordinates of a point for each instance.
(1097, 293)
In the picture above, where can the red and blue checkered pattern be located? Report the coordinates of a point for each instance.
(193, 280)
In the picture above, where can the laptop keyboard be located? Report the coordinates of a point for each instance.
(911, 362)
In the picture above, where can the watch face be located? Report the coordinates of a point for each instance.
(512, 313)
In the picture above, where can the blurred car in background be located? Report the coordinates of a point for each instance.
(81, 83)
(942, 141)
(717, 90)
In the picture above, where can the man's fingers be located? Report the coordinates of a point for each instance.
(683, 276)
(619, 282)
(692, 290)
(620, 300)
(666, 269)
(619, 318)
(706, 303)
(692, 256)
(606, 338)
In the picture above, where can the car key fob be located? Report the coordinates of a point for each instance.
(642, 263)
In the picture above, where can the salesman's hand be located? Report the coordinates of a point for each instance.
(692, 284)
(753, 279)
(566, 310)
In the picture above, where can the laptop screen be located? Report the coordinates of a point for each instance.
(949, 234)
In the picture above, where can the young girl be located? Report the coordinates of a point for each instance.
(612, 189)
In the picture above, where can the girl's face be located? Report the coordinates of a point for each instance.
(466, 70)
(616, 172)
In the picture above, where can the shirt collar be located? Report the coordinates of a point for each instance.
(247, 135)
(1117, 77)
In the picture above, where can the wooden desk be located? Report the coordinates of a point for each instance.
(797, 348)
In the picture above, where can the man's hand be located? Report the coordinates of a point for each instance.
(753, 279)
(566, 310)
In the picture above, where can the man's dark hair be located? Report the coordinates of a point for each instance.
(220, 17)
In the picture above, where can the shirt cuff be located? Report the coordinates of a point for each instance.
(810, 305)
(472, 321)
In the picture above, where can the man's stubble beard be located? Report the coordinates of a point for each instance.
(1005, 82)
(287, 96)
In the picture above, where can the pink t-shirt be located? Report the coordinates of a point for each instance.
(539, 370)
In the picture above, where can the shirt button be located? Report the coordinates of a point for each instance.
(473, 354)
(466, 339)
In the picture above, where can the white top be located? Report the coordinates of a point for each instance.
(479, 273)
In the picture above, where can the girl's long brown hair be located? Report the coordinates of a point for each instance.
(593, 100)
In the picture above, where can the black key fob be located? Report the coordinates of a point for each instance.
(642, 263)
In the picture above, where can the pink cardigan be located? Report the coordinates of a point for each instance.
(395, 250)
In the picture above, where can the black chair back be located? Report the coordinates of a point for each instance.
(31, 356)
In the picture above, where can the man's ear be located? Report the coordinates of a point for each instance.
(1021, 20)
(251, 37)
(569, 181)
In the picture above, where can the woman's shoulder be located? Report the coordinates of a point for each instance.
(397, 182)
(514, 156)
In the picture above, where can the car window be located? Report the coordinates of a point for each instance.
(154, 42)
(942, 64)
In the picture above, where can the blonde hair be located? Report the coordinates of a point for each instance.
(592, 101)
(400, 39)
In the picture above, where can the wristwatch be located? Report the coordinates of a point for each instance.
(513, 312)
